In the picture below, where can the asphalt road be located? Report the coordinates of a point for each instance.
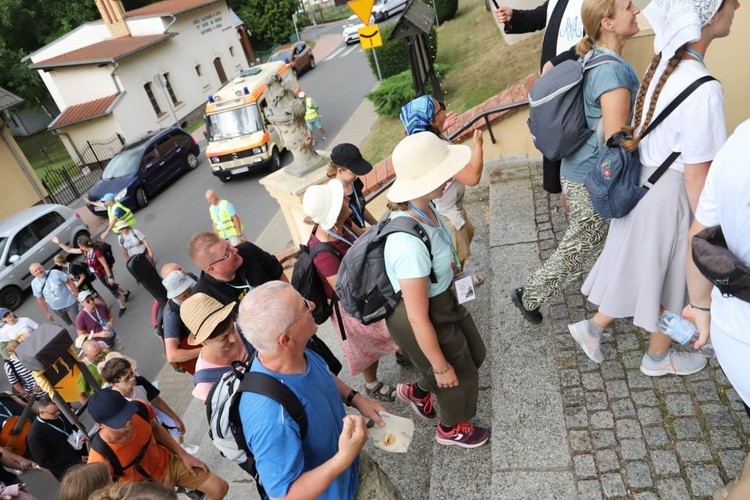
(338, 84)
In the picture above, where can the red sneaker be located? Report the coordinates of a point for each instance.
(463, 434)
(423, 406)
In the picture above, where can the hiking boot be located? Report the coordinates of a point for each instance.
(462, 434)
(531, 315)
(423, 407)
(676, 363)
(122, 312)
(590, 344)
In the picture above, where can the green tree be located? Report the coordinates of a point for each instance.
(270, 22)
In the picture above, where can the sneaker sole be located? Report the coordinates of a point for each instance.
(414, 407)
(661, 373)
(450, 442)
(519, 304)
(583, 345)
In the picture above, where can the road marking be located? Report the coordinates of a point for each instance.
(335, 53)
(349, 51)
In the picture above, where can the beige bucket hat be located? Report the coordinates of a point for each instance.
(202, 313)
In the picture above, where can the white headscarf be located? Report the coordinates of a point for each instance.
(677, 22)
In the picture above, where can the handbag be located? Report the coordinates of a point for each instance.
(614, 184)
(719, 265)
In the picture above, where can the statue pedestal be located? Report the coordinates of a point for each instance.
(288, 190)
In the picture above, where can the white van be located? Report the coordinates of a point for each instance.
(383, 9)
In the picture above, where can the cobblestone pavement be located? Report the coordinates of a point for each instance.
(632, 436)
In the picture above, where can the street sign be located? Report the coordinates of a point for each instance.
(369, 37)
(362, 8)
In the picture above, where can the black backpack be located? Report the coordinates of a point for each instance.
(106, 250)
(719, 265)
(222, 410)
(306, 281)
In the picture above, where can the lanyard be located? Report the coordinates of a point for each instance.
(697, 56)
(619, 58)
(98, 318)
(442, 231)
(247, 285)
(341, 238)
(355, 211)
(61, 431)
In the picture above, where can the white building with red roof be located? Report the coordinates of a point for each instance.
(140, 70)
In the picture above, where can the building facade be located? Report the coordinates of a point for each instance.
(140, 70)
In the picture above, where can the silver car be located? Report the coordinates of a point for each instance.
(25, 238)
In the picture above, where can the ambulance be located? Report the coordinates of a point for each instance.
(240, 138)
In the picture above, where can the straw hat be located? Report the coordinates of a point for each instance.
(322, 203)
(423, 162)
(121, 224)
(202, 313)
(115, 354)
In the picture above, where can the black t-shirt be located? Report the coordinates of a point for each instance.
(76, 271)
(357, 204)
(258, 267)
(48, 443)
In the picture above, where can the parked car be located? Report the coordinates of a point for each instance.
(145, 166)
(25, 238)
(298, 54)
(383, 9)
(351, 29)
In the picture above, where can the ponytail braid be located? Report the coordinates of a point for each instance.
(674, 61)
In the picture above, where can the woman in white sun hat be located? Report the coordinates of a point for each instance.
(363, 346)
(436, 333)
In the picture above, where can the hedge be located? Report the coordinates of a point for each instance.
(397, 90)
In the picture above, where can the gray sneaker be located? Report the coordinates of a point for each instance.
(677, 363)
(591, 345)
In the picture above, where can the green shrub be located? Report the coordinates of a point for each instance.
(392, 55)
(446, 9)
(303, 19)
(397, 90)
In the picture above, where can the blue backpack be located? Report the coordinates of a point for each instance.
(614, 184)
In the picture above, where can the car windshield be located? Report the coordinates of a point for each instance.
(234, 123)
(352, 22)
(281, 56)
(124, 164)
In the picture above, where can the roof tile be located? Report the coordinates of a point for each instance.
(104, 51)
(167, 7)
(84, 111)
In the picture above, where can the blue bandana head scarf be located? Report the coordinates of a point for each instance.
(417, 115)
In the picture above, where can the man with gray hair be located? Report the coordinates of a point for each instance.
(328, 463)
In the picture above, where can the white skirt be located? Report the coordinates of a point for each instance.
(642, 266)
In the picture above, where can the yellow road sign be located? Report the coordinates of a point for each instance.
(369, 37)
(362, 8)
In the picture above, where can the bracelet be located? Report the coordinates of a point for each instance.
(704, 309)
(443, 371)
(350, 397)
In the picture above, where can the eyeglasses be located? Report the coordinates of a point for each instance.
(226, 256)
(309, 308)
(441, 106)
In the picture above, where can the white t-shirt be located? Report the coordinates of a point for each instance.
(725, 201)
(24, 326)
(696, 128)
(452, 202)
(571, 26)
(133, 242)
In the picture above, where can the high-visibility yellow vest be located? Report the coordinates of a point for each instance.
(311, 112)
(224, 222)
(128, 218)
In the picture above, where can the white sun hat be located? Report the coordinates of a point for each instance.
(323, 203)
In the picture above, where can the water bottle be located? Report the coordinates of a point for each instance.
(682, 331)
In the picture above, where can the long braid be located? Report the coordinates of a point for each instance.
(674, 61)
(642, 90)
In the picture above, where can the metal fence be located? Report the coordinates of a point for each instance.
(70, 181)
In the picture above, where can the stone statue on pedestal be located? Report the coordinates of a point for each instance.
(287, 112)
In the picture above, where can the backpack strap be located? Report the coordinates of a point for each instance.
(266, 385)
(666, 112)
(100, 446)
(209, 374)
(412, 227)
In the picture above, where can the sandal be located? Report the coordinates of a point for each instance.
(382, 392)
(478, 279)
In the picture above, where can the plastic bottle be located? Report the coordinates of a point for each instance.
(682, 331)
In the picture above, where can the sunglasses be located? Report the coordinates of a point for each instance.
(441, 106)
(226, 256)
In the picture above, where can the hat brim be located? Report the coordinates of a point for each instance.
(360, 166)
(118, 421)
(404, 190)
(210, 324)
(336, 193)
(189, 282)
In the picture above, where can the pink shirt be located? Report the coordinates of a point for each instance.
(202, 389)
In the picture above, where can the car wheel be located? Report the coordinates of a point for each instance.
(74, 243)
(192, 161)
(225, 178)
(312, 63)
(11, 297)
(141, 198)
(275, 160)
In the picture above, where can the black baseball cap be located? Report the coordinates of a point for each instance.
(108, 407)
(348, 156)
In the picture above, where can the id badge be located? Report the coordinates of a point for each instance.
(76, 439)
(463, 285)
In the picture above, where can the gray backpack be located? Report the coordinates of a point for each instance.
(557, 120)
(362, 284)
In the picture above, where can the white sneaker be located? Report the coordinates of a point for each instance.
(591, 345)
(676, 363)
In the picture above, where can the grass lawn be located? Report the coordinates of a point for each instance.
(483, 65)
